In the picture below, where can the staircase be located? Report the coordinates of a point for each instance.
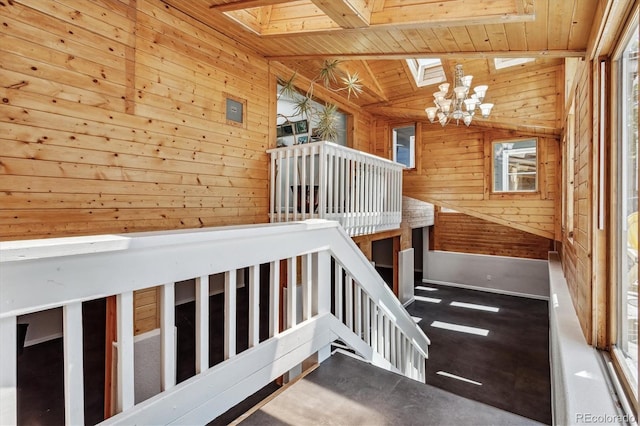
(344, 390)
(339, 296)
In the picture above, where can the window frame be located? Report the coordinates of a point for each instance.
(412, 147)
(618, 150)
(522, 193)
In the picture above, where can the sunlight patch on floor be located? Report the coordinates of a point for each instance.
(460, 328)
(421, 287)
(428, 299)
(463, 379)
(474, 306)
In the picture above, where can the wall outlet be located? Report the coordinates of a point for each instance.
(489, 277)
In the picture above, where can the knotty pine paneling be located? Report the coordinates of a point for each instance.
(576, 251)
(451, 173)
(113, 120)
(462, 233)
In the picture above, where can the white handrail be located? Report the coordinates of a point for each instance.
(42, 274)
(324, 180)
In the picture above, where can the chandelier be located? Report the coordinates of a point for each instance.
(460, 105)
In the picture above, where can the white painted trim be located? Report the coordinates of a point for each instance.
(125, 396)
(73, 368)
(204, 397)
(168, 336)
(8, 372)
(230, 316)
(579, 382)
(486, 290)
(202, 323)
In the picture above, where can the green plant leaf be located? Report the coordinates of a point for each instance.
(328, 72)
(287, 87)
(327, 126)
(352, 84)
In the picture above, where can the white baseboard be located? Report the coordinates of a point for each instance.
(486, 289)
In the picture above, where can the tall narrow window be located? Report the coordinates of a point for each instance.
(627, 209)
(404, 145)
(570, 169)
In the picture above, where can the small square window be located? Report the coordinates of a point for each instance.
(515, 166)
(235, 109)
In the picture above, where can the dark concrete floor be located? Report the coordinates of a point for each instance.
(345, 391)
(511, 362)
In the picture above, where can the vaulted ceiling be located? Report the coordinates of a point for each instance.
(375, 37)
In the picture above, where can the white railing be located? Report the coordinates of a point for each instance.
(339, 294)
(328, 181)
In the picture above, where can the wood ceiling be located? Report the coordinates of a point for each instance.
(374, 37)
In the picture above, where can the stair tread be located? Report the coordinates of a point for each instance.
(345, 391)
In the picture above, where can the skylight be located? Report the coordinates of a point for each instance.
(501, 63)
(427, 71)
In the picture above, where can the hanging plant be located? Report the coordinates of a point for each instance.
(326, 119)
(327, 127)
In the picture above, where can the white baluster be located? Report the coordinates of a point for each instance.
(348, 302)
(313, 182)
(278, 186)
(366, 315)
(126, 383)
(298, 188)
(322, 181)
(331, 182)
(272, 188)
(380, 328)
(374, 326)
(230, 287)
(287, 186)
(304, 184)
(274, 298)
(254, 305)
(307, 289)
(202, 323)
(392, 348)
(321, 278)
(167, 330)
(358, 311)
(73, 373)
(291, 293)
(338, 291)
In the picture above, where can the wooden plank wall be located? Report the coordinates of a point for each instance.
(576, 252)
(462, 233)
(451, 173)
(113, 120)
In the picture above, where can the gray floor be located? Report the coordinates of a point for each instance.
(511, 362)
(345, 391)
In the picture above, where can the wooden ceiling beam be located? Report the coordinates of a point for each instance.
(346, 13)
(439, 55)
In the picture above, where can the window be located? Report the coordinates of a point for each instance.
(570, 171)
(404, 145)
(427, 72)
(515, 166)
(626, 350)
(501, 63)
